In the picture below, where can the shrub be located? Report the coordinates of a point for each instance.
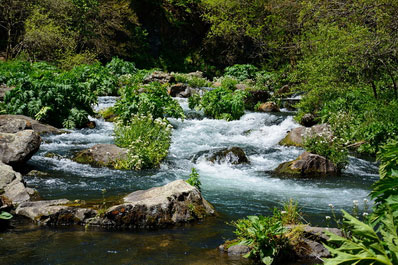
(221, 103)
(329, 147)
(57, 98)
(151, 99)
(241, 71)
(194, 179)
(147, 140)
(264, 236)
(192, 81)
(388, 157)
(119, 67)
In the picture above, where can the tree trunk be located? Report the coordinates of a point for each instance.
(374, 89)
(8, 48)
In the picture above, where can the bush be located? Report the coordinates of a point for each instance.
(119, 67)
(192, 81)
(329, 147)
(57, 98)
(221, 103)
(151, 99)
(147, 140)
(241, 71)
(194, 179)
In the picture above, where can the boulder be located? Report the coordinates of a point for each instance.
(269, 107)
(12, 187)
(3, 90)
(16, 123)
(313, 238)
(241, 86)
(160, 77)
(308, 165)
(171, 204)
(308, 120)
(55, 213)
(17, 148)
(101, 155)
(233, 155)
(180, 90)
(108, 114)
(255, 96)
(196, 74)
(296, 136)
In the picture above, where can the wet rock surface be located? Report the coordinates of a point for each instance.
(101, 155)
(161, 77)
(233, 155)
(308, 165)
(17, 148)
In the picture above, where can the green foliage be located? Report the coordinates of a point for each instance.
(119, 67)
(193, 179)
(192, 81)
(329, 147)
(5, 215)
(264, 236)
(147, 140)
(221, 103)
(58, 98)
(366, 245)
(228, 82)
(151, 99)
(388, 158)
(241, 71)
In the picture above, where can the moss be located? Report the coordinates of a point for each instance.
(287, 141)
(85, 157)
(108, 114)
(285, 169)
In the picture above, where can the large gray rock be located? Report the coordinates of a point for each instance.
(17, 148)
(180, 90)
(297, 136)
(268, 107)
(313, 238)
(12, 187)
(174, 203)
(16, 123)
(101, 155)
(308, 165)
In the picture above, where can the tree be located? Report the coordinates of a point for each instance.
(12, 16)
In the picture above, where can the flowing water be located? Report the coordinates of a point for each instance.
(235, 190)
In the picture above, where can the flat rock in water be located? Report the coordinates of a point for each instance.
(101, 155)
(171, 204)
(17, 148)
(12, 186)
(308, 165)
(296, 136)
(16, 123)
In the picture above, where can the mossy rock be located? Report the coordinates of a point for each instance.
(101, 155)
(308, 165)
(297, 136)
